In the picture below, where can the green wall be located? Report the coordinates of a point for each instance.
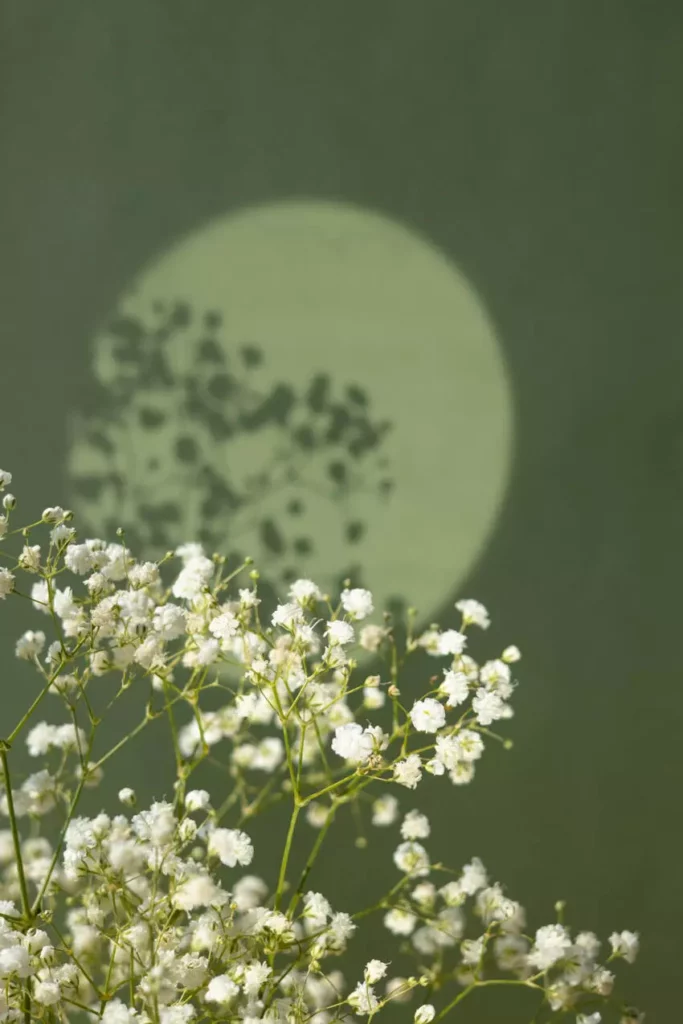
(536, 148)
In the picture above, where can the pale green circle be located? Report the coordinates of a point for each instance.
(330, 287)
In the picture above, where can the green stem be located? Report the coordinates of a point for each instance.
(315, 850)
(58, 848)
(285, 855)
(20, 725)
(483, 984)
(25, 901)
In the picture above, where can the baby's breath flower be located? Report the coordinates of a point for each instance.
(450, 642)
(141, 900)
(357, 603)
(339, 632)
(375, 970)
(428, 715)
(6, 583)
(231, 846)
(197, 800)
(456, 686)
(424, 1014)
(415, 825)
(353, 742)
(363, 999)
(372, 637)
(30, 645)
(552, 943)
(473, 613)
(29, 559)
(409, 771)
(385, 810)
(625, 944)
(412, 859)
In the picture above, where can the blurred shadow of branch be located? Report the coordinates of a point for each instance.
(183, 437)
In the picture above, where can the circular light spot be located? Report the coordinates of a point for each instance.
(313, 384)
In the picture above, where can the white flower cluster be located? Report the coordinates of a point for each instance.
(144, 917)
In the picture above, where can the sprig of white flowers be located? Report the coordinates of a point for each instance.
(132, 917)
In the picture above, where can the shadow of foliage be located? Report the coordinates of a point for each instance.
(186, 437)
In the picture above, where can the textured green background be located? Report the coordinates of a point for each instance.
(540, 146)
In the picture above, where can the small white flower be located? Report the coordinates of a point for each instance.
(286, 615)
(400, 922)
(511, 654)
(304, 591)
(143, 574)
(399, 990)
(371, 637)
(375, 970)
(61, 534)
(177, 1014)
(473, 877)
(5, 479)
(415, 825)
(339, 632)
(488, 706)
(455, 684)
(412, 859)
(41, 738)
(385, 810)
(428, 715)
(224, 626)
(552, 943)
(473, 613)
(424, 1014)
(409, 771)
(46, 992)
(193, 578)
(29, 558)
(316, 814)
(317, 909)
(363, 999)
(170, 621)
(30, 645)
(451, 642)
(127, 796)
(199, 891)
(79, 559)
(208, 651)
(248, 598)
(353, 742)
(116, 1012)
(15, 960)
(6, 583)
(53, 514)
(221, 989)
(588, 945)
(357, 603)
(255, 976)
(471, 951)
(231, 846)
(373, 698)
(625, 944)
(197, 800)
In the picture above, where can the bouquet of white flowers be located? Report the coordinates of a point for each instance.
(146, 914)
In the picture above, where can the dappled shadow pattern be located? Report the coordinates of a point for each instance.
(185, 438)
